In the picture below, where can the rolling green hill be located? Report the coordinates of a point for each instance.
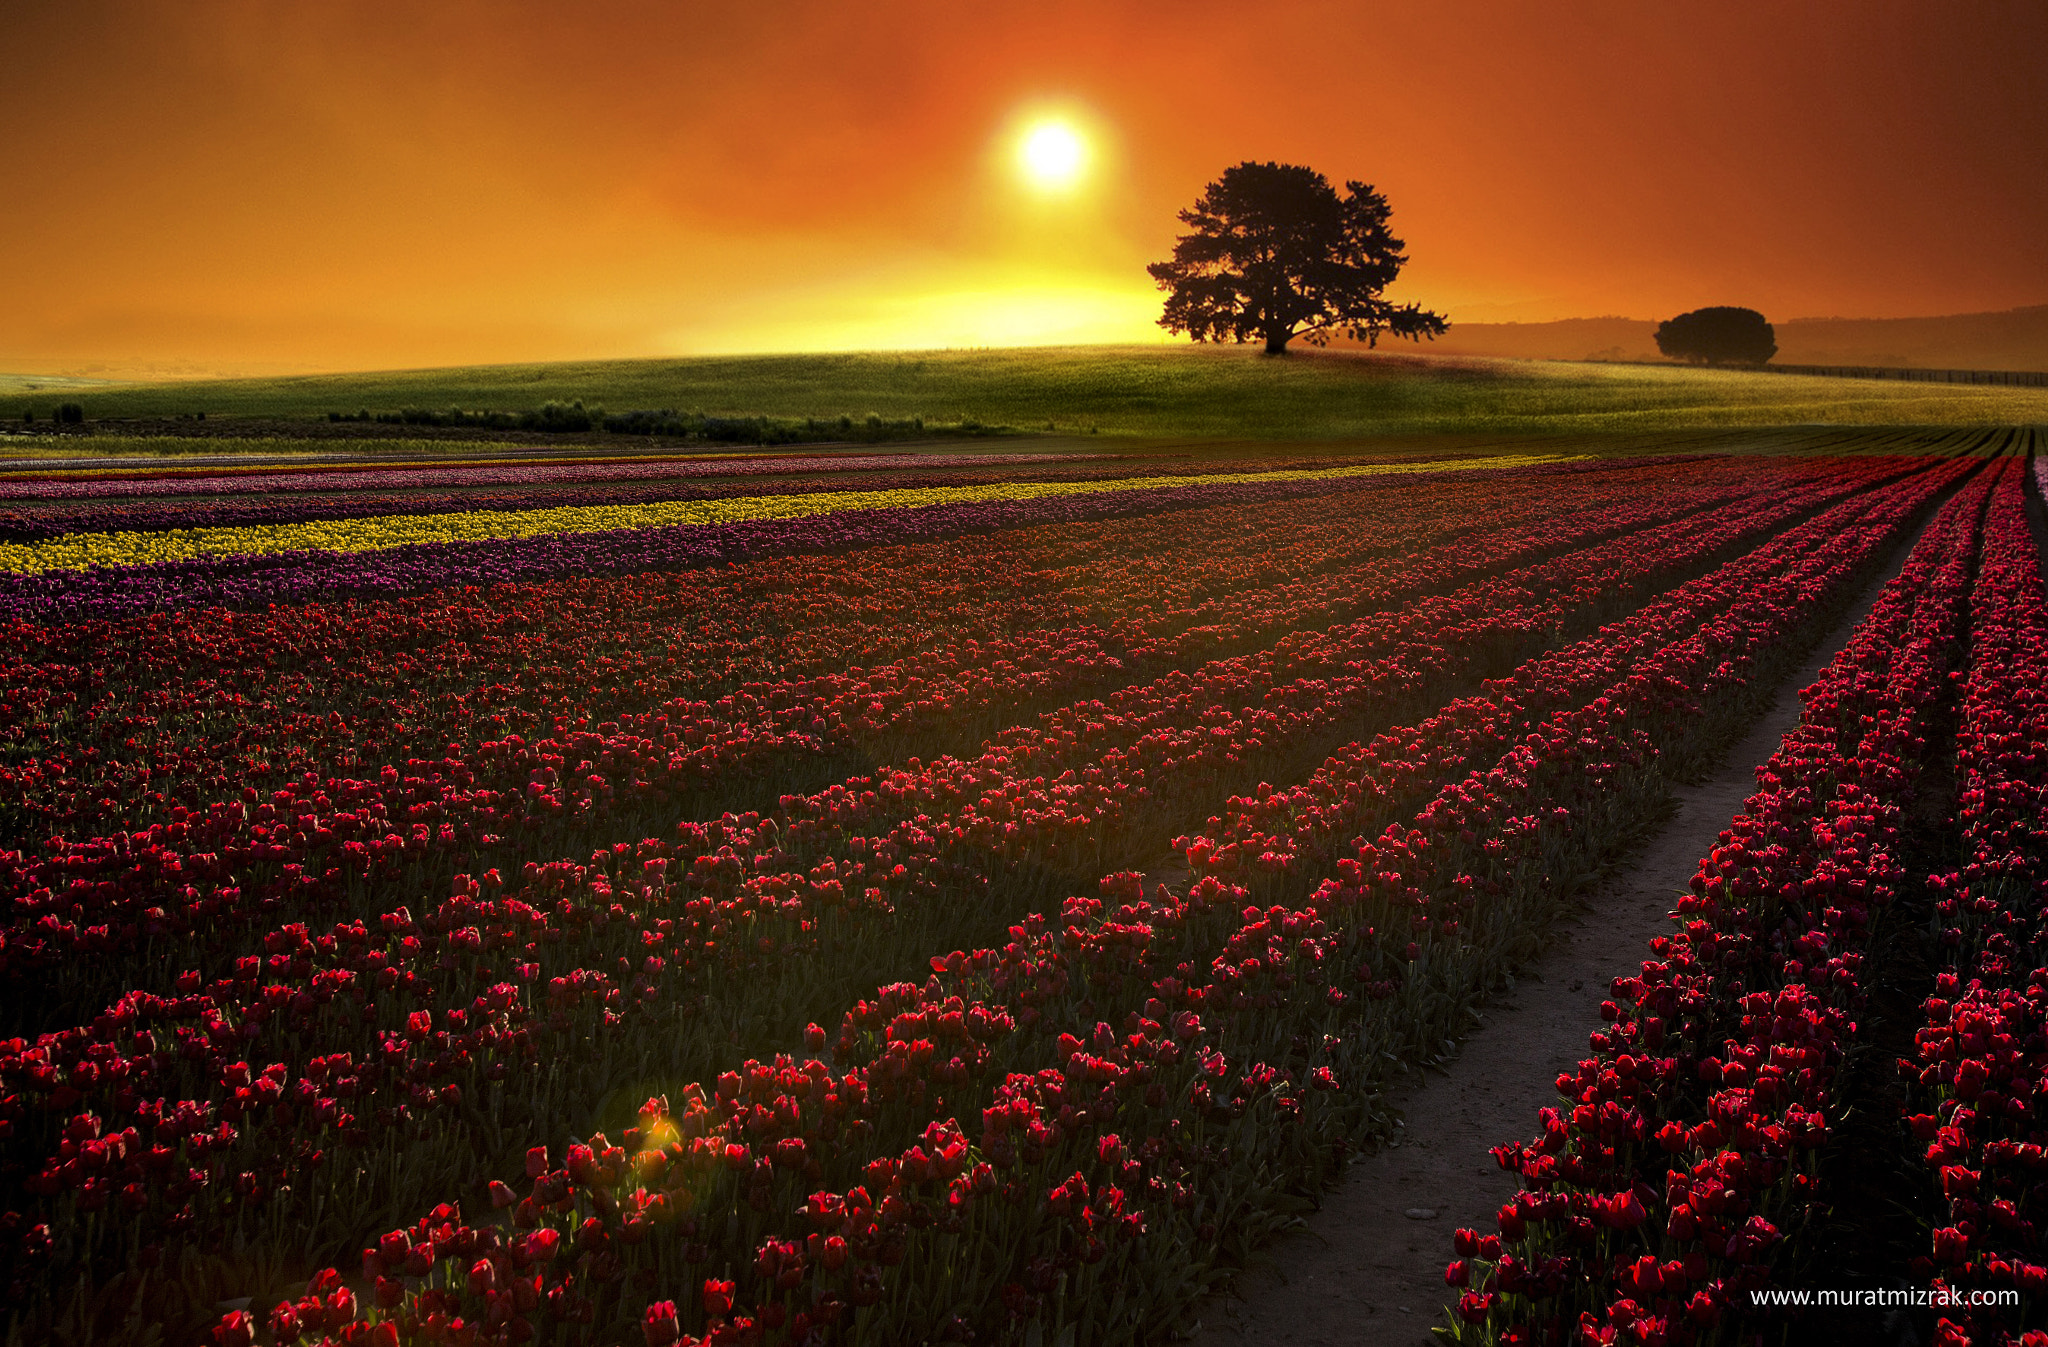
(1169, 391)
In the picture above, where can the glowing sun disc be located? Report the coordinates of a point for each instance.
(1052, 154)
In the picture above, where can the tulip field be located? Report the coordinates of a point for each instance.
(1687, 1166)
(883, 898)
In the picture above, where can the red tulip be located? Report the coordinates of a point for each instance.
(660, 1325)
(236, 1329)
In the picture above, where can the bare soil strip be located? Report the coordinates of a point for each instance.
(1369, 1265)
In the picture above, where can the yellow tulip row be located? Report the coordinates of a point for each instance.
(80, 551)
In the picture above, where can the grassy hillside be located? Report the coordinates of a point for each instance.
(1149, 391)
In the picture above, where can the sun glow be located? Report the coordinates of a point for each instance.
(965, 308)
(1052, 155)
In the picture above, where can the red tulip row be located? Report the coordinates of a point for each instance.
(1982, 1056)
(178, 714)
(213, 689)
(1299, 830)
(1102, 1168)
(444, 679)
(1048, 1178)
(1658, 1199)
(1143, 745)
(317, 1000)
(291, 856)
(135, 719)
(1022, 607)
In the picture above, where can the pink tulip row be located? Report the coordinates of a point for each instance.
(1058, 1203)
(1300, 829)
(318, 1003)
(1980, 1058)
(166, 712)
(1658, 1197)
(789, 714)
(299, 851)
(1006, 1211)
(709, 841)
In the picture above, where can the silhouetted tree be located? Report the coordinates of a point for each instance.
(1718, 336)
(1273, 252)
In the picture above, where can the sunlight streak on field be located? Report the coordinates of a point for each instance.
(1009, 310)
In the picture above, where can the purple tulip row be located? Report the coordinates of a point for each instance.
(311, 576)
(511, 474)
(37, 521)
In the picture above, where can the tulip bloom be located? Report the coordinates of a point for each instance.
(660, 1324)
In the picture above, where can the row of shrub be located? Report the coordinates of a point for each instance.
(566, 417)
(67, 414)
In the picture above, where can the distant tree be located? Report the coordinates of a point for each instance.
(1272, 252)
(1718, 336)
(71, 414)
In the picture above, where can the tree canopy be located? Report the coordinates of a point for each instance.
(1718, 336)
(1273, 253)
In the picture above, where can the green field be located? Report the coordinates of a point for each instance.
(1166, 391)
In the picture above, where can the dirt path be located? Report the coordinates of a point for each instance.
(1369, 1267)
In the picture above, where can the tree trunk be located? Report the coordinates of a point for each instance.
(1276, 341)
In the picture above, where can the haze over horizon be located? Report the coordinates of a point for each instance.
(244, 187)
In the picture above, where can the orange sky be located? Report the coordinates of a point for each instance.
(197, 185)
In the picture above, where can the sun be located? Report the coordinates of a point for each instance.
(1052, 155)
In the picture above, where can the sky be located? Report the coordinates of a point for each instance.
(203, 186)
